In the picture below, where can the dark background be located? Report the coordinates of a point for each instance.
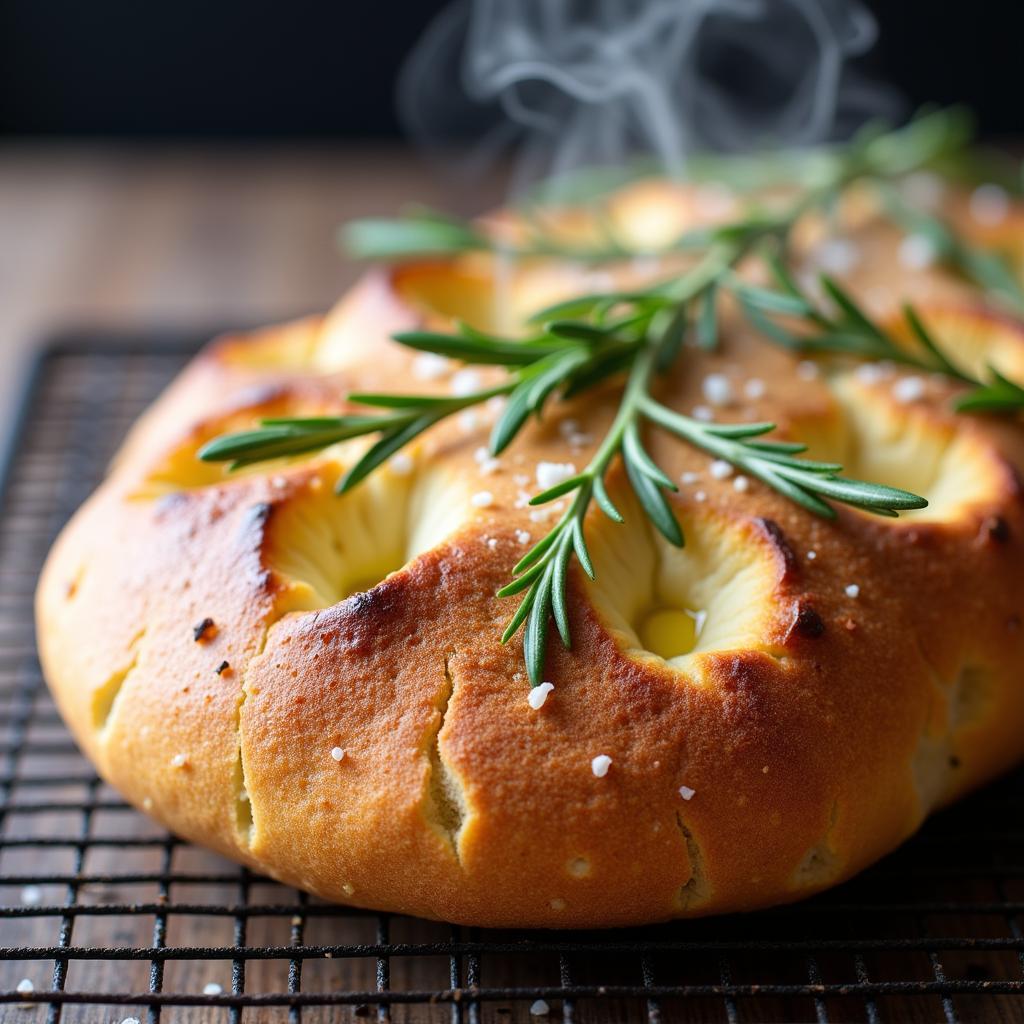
(227, 69)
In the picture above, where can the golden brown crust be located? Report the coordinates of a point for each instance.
(198, 640)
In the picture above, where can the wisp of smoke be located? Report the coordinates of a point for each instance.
(574, 83)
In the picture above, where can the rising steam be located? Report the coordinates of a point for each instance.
(574, 83)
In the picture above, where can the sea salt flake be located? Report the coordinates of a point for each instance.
(836, 256)
(25, 987)
(703, 412)
(869, 373)
(465, 382)
(917, 252)
(492, 543)
(700, 495)
(430, 366)
(717, 389)
(686, 793)
(908, 389)
(179, 761)
(337, 753)
(522, 536)
(812, 555)
(720, 469)
(211, 988)
(550, 474)
(600, 765)
(538, 695)
(853, 590)
(31, 895)
(482, 499)
(401, 463)
(754, 388)
(741, 483)
(689, 477)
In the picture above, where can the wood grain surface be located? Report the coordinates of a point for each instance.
(188, 236)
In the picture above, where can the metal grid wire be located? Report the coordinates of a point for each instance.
(109, 917)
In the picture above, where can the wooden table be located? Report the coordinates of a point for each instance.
(110, 235)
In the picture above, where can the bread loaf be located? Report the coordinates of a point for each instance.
(314, 685)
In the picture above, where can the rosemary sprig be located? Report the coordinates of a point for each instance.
(847, 329)
(588, 339)
(985, 268)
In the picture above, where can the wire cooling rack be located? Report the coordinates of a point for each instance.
(106, 917)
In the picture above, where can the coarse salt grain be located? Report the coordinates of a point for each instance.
(489, 467)
(540, 515)
(806, 370)
(689, 477)
(703, 412)
(31, 895)
(754, 388)
(538, 695)
(741, 483)
(600, 765)
(908, 389)
(812, 555)
(686, 793)
(869, 373)
(522, 536)
(917, 252)
(989, 204)
(700, 495)
(25, 987)
(178, 761)
(131, 1020)
(482, 499)
(465, 382)
(539, 1008)
(716, 389)
(550, 474)
(337, 753)
(853, 590)
(492, 543)
(211, 988)
(430, 366)
(401, 463)
(720, 469)
(557, 903)
(836, 256)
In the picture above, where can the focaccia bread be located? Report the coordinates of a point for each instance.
(314, 685)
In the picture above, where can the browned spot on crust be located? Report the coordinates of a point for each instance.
(995, 529)
(772, 532)
(806, 622)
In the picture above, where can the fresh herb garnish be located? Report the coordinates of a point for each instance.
(582, 342)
